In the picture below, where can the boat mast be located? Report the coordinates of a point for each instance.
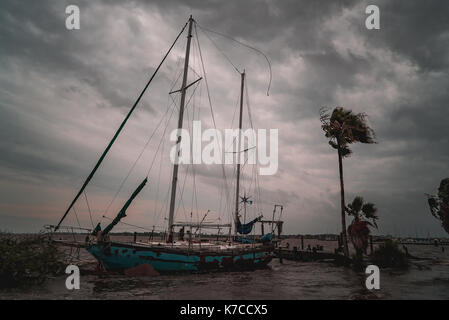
(238, 153)
(178, 142)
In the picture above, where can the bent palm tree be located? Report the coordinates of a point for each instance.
(439, 204)
(358, 230)
(343, 127)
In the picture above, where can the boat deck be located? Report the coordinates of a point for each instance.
(213, 246)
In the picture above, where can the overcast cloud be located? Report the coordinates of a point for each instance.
(64, 93)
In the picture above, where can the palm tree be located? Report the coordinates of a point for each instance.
(358, 230)
(343, 127)
(439, 204)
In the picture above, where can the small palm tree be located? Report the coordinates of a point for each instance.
(439, 204)
(359, 230)
(343, 127)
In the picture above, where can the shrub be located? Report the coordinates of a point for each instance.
(389, 255)
(357, 263)
(28, 260)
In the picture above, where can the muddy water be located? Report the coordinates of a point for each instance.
(427, 279)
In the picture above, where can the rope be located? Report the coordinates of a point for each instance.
(224, 55)
(210, 104)
(131, 225)
(191, 164)
(76, 215)
(185, 178)
(252, 126)
(88, 207)
(143, 150)
(159, 212)
(135, 162)
(156, 207)
(245, 45)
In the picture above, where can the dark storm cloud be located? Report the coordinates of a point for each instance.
(33, 33)
(59, 87)
(418, 30)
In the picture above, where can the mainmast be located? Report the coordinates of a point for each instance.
(238, 153)
(178, 142)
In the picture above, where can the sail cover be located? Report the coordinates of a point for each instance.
(247, 227)
(122, 212)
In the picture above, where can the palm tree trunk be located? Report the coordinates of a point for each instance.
(343, 213)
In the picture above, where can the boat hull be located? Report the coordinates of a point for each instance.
(121, 256)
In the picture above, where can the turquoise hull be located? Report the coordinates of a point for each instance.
(120, 256)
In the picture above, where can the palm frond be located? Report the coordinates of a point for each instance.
(343, 127)
(370, 210)
(443, 190)
(357, 203)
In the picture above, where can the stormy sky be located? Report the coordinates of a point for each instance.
(65, 92)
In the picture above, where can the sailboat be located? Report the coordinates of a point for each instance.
(180, 255)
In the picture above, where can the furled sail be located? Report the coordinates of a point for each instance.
(122, 212)
(247, 227)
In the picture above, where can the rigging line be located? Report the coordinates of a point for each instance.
(235, 110)
(180, 201)
(250, 120)
(256, 188)
(247, 104)
(195, 192)
(221, 51)
(76, 215)
(128, 224)
(135, 162)
(173, 83)
(193, 70)
(249, 109)
(163, 148)
(165, 204)
(253, 181)
(163, 135)
(252, 126)
(191, 152)
(221, 198)
(210, 102)
(156, 206)
(242, 151)
(159, 212)
(88, 207)
(118, 131)
(155, 154)
(187, 104)
(235, 138)
(165, 201)
(144, 148)
(245, 45)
